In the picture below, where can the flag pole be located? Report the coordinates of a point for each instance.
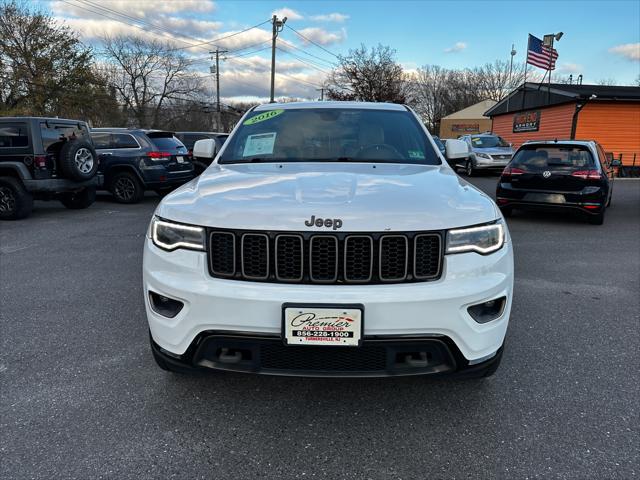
(526, 62)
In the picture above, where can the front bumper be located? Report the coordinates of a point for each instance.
(377, 357)
(428, 309)
(486, 164)
(59, 185)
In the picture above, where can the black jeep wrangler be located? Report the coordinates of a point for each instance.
(45, 159)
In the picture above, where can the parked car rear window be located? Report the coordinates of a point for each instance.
(330, 134)
(12, 136)
(166, 142)
(188, 139)
(553, 157)
(488, 142)
(55, 134)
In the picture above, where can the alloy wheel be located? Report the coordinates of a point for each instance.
(7, 200)
(84, 160)
(124, 188)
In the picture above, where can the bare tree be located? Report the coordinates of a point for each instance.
(496, 80)
(368, 75)
(149, 75)
(607, 82)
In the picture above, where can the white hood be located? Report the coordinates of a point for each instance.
(366, 197)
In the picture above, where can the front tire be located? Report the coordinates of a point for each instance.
(126, 188)
(15, 201)
(468, 169)
(79, 200)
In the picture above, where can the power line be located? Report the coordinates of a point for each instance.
(225, 37)
(279, 73)
(245, 54)
(311, 41)
(312, 65)
(291, 45)
(156, 27)
(137, 19)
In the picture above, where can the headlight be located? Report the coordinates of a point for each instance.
(169, 235)
(483, 239)
(483, 155)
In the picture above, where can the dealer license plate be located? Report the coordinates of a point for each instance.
(180, 159)
(332, 326)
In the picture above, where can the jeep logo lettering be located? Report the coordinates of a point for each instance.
(334, 223)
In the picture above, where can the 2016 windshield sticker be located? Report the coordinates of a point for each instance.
(416, 154)
(263, 116)
(259, 144)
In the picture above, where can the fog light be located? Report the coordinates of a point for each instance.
(165, 306)
(487, 311)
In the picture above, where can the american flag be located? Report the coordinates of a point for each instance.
(540, 55)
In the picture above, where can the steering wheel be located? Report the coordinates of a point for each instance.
(380, 151)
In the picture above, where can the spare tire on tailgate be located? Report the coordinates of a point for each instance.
(78, 160)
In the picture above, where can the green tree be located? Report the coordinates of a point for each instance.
(46, 70)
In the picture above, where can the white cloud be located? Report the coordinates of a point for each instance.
(570, 68)
(289, 13)
(330, 17)
(630, 51)
(144, 9)
(457, 47)
(323, 37)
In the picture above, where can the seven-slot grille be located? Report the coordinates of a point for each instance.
(320, 258)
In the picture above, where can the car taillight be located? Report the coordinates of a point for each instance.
(510, 171)
(40, 161)
(159, 154)
(587, 174)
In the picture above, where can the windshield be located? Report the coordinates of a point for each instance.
(488, 142)
(539, 158)
(330, 134)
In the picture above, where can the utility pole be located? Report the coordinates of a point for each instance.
(217, 72)
(277, 25)
(321, 90)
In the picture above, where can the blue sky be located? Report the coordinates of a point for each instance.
(601, 41)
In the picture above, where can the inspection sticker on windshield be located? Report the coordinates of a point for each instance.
(263, 116)
(320, 326)
(259, 144)
(416, 154)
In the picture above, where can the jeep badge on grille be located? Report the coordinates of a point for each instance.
(336, 223)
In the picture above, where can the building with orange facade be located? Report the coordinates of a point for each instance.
(609, 115)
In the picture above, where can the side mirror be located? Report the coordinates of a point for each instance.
(205, 149)
(456, 149)
(615, 163)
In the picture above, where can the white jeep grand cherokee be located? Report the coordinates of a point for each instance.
(329, 239)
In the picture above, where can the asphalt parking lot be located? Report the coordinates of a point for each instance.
(82, 398)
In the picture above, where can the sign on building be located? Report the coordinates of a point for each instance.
(526, 121)
(465, 127)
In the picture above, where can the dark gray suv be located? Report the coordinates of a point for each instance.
(45, 159)
(135, 160)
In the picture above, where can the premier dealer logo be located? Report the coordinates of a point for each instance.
(336, 223)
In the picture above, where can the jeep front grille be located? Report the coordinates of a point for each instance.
(306, 257)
